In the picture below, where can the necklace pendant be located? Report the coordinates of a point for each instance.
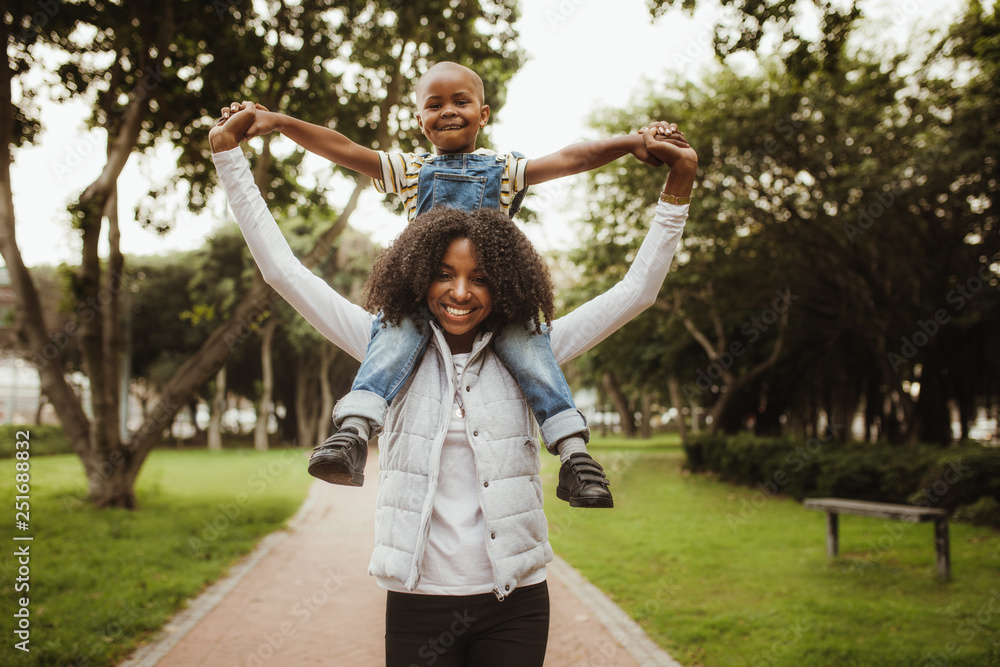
(460, 413)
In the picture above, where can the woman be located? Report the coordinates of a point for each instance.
(461, 537)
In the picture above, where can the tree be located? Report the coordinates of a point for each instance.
(746, 25)
(171, 64)
(175, 301)
(849, 193)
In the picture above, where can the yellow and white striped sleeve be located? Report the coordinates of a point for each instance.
(400, 173)
(513, 180)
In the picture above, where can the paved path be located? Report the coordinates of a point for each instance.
(304, 597)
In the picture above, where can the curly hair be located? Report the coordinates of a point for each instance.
(517, 278)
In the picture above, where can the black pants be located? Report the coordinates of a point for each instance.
(467, 631)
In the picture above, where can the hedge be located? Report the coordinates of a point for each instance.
(43, 440)
(47, 439)
(963, 479)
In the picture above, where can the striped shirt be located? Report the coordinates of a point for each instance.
(401, 171)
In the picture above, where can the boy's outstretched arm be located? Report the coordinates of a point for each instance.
(322, 141)
(587, 155)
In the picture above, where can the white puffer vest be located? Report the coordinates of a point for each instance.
(500, 429)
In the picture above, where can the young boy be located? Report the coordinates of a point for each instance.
(451, 110)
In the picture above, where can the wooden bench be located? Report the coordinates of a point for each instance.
(908, 513)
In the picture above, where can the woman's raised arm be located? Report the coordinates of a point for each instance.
(588, 325)
(346, 325)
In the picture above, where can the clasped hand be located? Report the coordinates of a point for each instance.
(663, 143)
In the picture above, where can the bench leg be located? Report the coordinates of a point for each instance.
(831, 535)
(942, 548)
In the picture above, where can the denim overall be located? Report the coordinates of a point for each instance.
(464, 181)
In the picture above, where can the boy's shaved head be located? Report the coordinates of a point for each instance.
(448, 66)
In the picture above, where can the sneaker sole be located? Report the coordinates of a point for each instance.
(335, 472)
(584, 501)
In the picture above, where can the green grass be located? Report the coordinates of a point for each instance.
(101, 581)
(717, 574)
(726, 575)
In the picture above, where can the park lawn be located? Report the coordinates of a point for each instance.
(717, 574)
(102, 581)
(725, 575)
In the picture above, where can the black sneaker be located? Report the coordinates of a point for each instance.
(341, 459)
(583, 484)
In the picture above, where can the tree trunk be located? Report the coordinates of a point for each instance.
(46, 350)
(260, 439)
(731, 383)
(95, 330)
(719, 409)
(645, 429)
(898, 430)
(674, 387)
(934, 418)
(215, 351)
(42, 402)
(618, 399)
(305, 403)
(218, 411)
(324, 421)
(110, 464)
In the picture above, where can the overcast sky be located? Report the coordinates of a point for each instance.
(582, 56)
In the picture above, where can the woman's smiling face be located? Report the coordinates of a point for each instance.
(459, 296)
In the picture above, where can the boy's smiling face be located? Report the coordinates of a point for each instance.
(450, 108)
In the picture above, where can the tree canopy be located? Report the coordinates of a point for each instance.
(159, 73)
(842, 251)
